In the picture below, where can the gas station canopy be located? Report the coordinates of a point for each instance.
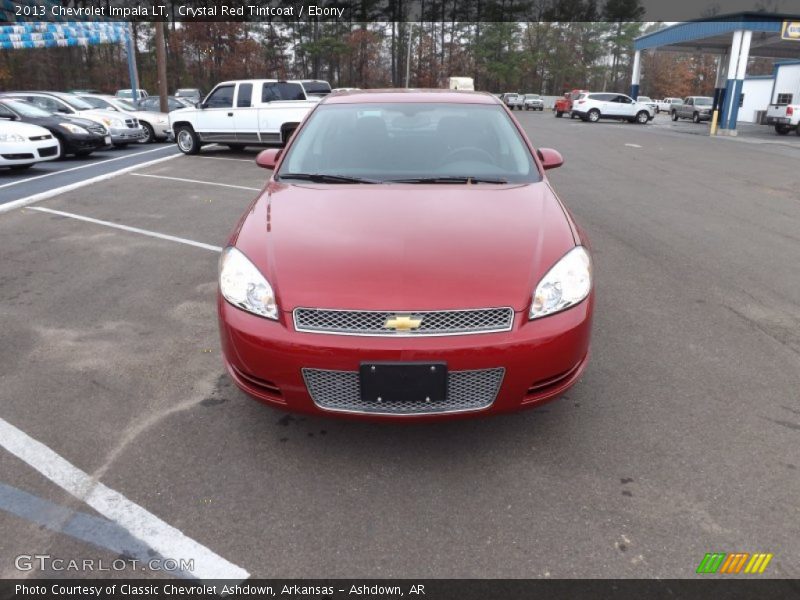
(734, 38)
(714, 35)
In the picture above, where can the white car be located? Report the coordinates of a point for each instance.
(155, 124)
(23, 145)
(593, 106)
(123, 128)
(651, 104)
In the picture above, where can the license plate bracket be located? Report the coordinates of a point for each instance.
(388, 382)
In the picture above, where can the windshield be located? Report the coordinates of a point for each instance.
(124, 104)
(187, 92)
(95, 102)
(532, 96)
(75, 102)
(703, 101)
(394, 141)
(321, 88)
(25, 109)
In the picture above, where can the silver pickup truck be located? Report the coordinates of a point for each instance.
(696, 108)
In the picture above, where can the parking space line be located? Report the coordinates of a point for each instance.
(79, 184)
(97, 531)
(247, 160)
(155, 234)
(140, 523)
(86, 166)
(228, 185)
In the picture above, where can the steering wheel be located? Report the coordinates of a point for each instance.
(473, 151)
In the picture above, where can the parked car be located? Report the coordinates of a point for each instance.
(513, 100)
(563, 105)
(123, 128)
(783, 112)
(651, 104)
(316, 88)
(226, 115)
(76, 136)
(140, 93)
(192, 95)
(395, 324)
(155, 124)
(594, 106)
(22, 145)
(666, 104)
(696, 108)
(153, 103)
(533, 102)
(345, 89)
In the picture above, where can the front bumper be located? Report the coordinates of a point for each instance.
(540, 359)
(80, 143)
(126, 135)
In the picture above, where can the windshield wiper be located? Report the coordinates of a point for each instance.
(326, 178)
(448, 179)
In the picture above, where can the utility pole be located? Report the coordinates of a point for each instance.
(161, 63)
(130, 44)
(408, 55)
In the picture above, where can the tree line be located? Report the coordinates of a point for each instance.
(542, 56)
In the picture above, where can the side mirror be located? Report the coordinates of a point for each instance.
(267, 159)
(550, 158)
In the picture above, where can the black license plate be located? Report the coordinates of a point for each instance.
(403, 382)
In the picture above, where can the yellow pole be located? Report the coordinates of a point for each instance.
(714, 123)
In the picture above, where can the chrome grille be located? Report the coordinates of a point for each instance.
(363, 322)
(131, 123)
(341, 391)
(99, 129)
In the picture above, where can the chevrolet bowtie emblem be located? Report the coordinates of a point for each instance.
(402, 323)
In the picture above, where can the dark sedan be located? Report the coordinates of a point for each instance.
(78, 136)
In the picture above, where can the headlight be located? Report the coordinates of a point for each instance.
(11, 137)
(72, 128)
(243, 286)
(115, 123)
(565, 285)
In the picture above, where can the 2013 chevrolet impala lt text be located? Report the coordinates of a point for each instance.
(408, 259)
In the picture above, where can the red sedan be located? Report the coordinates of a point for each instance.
(407, 259)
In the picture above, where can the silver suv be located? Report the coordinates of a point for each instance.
(594, 106)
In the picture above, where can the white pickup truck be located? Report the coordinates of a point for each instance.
(248, 112)
(784, 117)
(666, 104)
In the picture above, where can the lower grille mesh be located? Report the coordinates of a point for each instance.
(341, 391)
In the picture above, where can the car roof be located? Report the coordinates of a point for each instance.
(410, 95)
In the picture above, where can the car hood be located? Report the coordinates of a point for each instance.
(24, 129)
(103, 116)
(150, 115)
(405, 247)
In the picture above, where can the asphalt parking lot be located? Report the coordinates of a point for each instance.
(681, 438)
